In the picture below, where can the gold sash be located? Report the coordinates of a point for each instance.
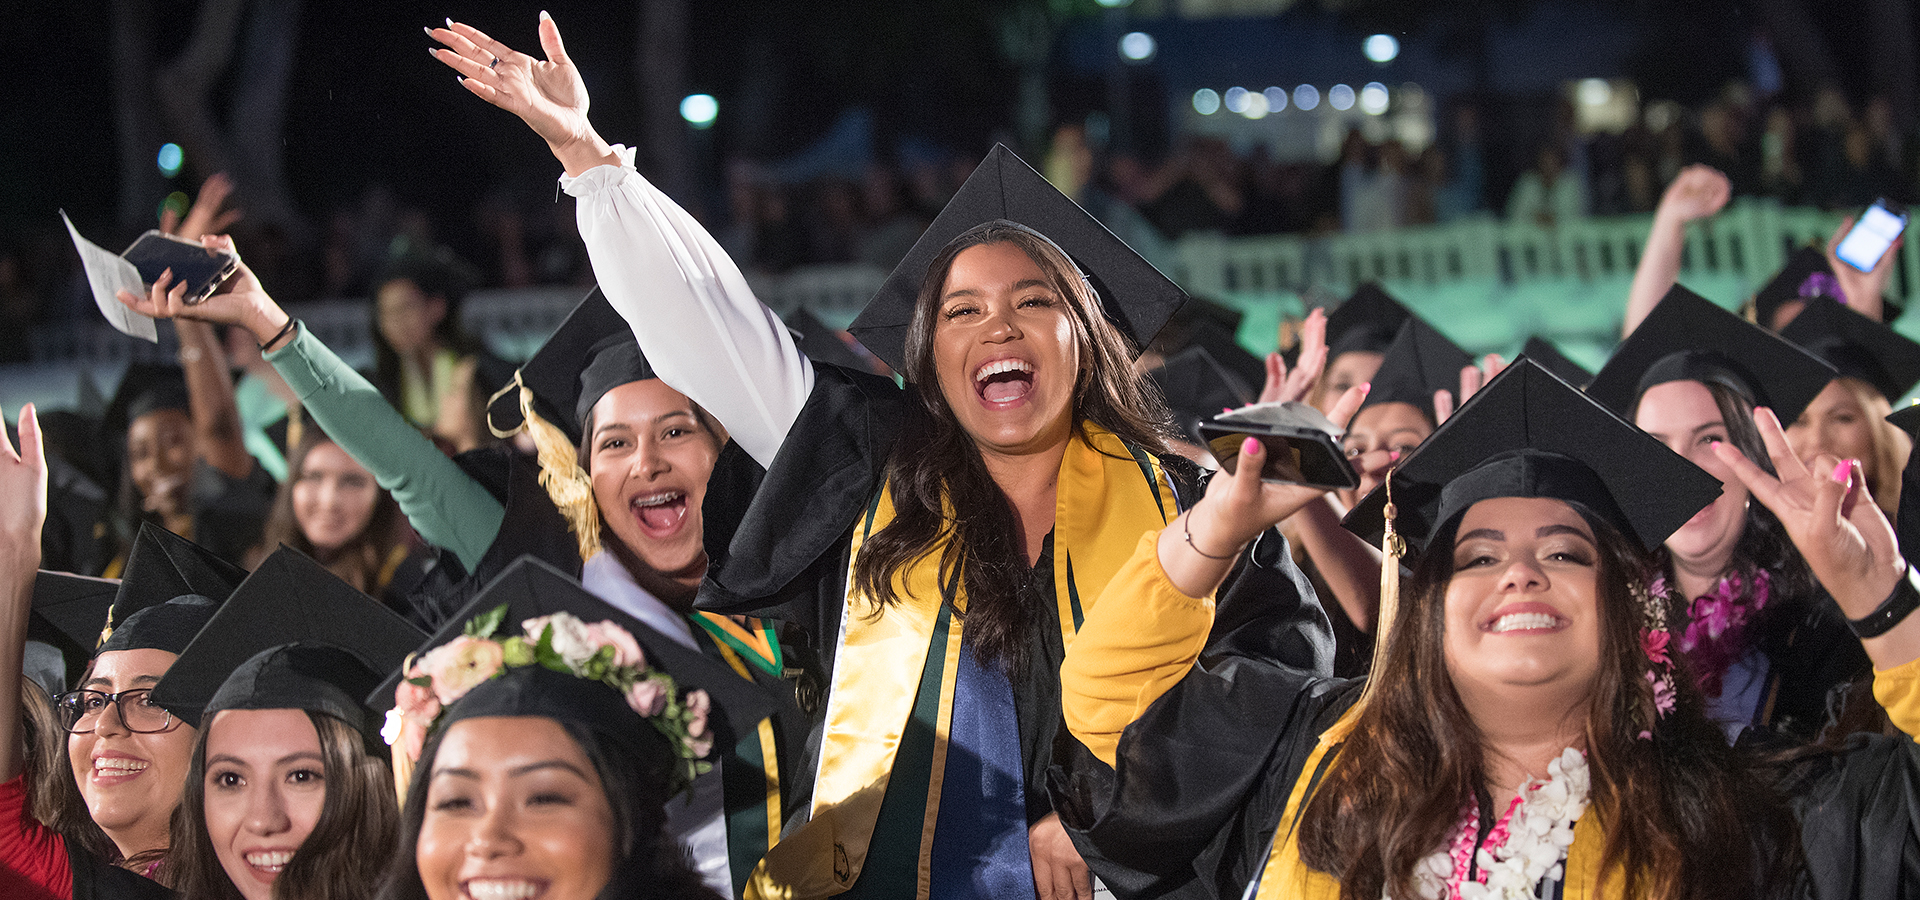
(1286, 876)
(1107, 496)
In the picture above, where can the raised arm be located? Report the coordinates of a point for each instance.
(23, 511)
(444, 504)
(1698, 191)
(698, 323)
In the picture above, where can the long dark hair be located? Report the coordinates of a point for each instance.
(439, 276)
(935, 459)
(649, 862)
(341, 859)
(1684, 815)
(53, 799)
(362, 561)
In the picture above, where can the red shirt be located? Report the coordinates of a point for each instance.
(33, 857)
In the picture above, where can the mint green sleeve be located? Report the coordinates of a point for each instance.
(445, 505)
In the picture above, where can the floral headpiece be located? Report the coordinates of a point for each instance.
(600, 652)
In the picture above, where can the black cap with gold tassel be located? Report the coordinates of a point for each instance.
(552, 395)
(1527, 434)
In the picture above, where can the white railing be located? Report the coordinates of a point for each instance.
(1488, 283)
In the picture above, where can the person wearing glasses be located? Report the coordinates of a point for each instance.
(128, 756)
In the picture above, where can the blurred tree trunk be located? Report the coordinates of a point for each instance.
(136, 124)
(660, 67)
(248, 146)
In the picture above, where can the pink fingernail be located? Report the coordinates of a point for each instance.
(1250, 446)
(1393, 455)
(1366, 387)
(1841, 471)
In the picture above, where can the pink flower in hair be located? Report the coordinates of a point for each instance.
(460, 664)
(1654, 643)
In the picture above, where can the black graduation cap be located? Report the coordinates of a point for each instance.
(823, 343)
(347, 642)
(1197, 388)
(145, 388)
(531, 588)
(1367, 322)
(1858, 347)
(1529, 434)
(169, 590)
(1805, 276)
(1134, 295)
(1549, 357)
(591, 353)
(1907, 419)
(68, 611)
(1419, 362)
(1687, 338)
(1221, 344)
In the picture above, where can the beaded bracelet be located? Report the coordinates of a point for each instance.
(1891, 611)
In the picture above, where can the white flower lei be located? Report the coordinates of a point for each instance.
(1538, 834)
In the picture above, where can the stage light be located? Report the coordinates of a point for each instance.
(699, 110)
(1340, 97)
(1138, 47)
(1306, 97)
(1236, 99)
(1373, 98)
(1206, 101)
(1276, 98)
(1382, 48)
(170, 159)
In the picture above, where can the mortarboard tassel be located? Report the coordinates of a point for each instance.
(560, 473)
(569, 486)
(1392, 548)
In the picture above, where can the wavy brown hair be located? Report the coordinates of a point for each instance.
(1684, 816)
(936, 459)
(345, 855)
(362, 561)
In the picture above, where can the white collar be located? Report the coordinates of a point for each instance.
(608, 579)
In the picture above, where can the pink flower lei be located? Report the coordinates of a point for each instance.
(599, 651)
(1718, 624)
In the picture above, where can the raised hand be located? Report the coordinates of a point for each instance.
(548, 94)
(239, 301)
(23, 494)
(1472, 379)
(1866, 291)
(1295, 385)
(206, 216)
(1697, 192)
(1198, 548)
(1828, 514)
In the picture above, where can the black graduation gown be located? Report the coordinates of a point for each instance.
(778, 544)
(94, 879)
(1203, 777)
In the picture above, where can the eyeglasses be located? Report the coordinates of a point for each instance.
(80, 711)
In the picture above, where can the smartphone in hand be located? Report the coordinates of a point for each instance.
(1302, 446)
(1873, 235)
(201, 268)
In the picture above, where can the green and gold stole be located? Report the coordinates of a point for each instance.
(1108, 495)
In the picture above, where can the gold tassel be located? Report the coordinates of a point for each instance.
(1392, 548)
(569, 486)
(402, 774)
(560, 473)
